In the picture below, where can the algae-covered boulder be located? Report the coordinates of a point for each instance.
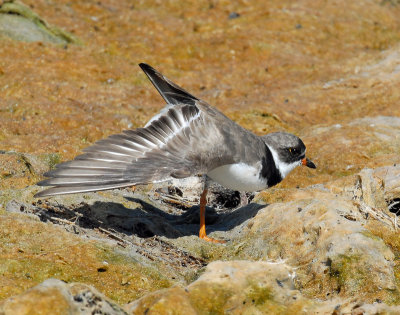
(246, 287)
(323, 237)
(237, 286)
(19, 22)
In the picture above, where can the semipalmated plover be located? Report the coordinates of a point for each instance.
(186, 138)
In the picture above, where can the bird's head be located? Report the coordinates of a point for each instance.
(288, 151)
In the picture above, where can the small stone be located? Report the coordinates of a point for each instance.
(125, 281)
(233, 15)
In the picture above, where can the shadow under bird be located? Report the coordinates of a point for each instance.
(188, 137)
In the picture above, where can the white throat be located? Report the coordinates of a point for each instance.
(283, 167)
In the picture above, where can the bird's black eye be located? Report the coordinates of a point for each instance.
(293, 151)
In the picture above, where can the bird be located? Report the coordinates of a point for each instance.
(187, 137)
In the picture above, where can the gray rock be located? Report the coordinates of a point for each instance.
(57, 297)
(19, 22)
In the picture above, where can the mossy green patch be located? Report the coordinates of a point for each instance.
(353, 278)
(52, 159)
(31, 252)
(392, 239)
(209, 251)
(261, 297)
(369, 234)
(210, 298)
(350, 277)
(259, 294)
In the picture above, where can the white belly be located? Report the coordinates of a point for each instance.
(239, 176)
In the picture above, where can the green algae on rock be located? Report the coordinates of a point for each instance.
(19, 22)
(240, 287)
(32, 251)
(246, 287)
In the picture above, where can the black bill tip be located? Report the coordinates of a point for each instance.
(307, 162)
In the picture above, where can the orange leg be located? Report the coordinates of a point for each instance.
(202, 232)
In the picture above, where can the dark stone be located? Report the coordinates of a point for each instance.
(233, 15)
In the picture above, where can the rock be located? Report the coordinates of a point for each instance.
(237, 286)
(375, 308)
(57, 297)
(19, 22)
(390, 175)
(35, 164)
(175, 299)
(325, 239)
(14, 207)
(17, 207)
(373, 186)
(32, 251)
(233, 15)
(21, 169)
(245, 287)
(321, 233)
(372, 190)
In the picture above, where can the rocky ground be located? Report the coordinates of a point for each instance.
(324, 241)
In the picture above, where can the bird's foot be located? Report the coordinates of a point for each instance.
(212, 240)
(203, 236)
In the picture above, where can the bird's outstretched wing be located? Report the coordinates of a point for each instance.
(170, 146)
(187, 138)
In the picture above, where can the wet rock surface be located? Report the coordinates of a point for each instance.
(324, 241)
